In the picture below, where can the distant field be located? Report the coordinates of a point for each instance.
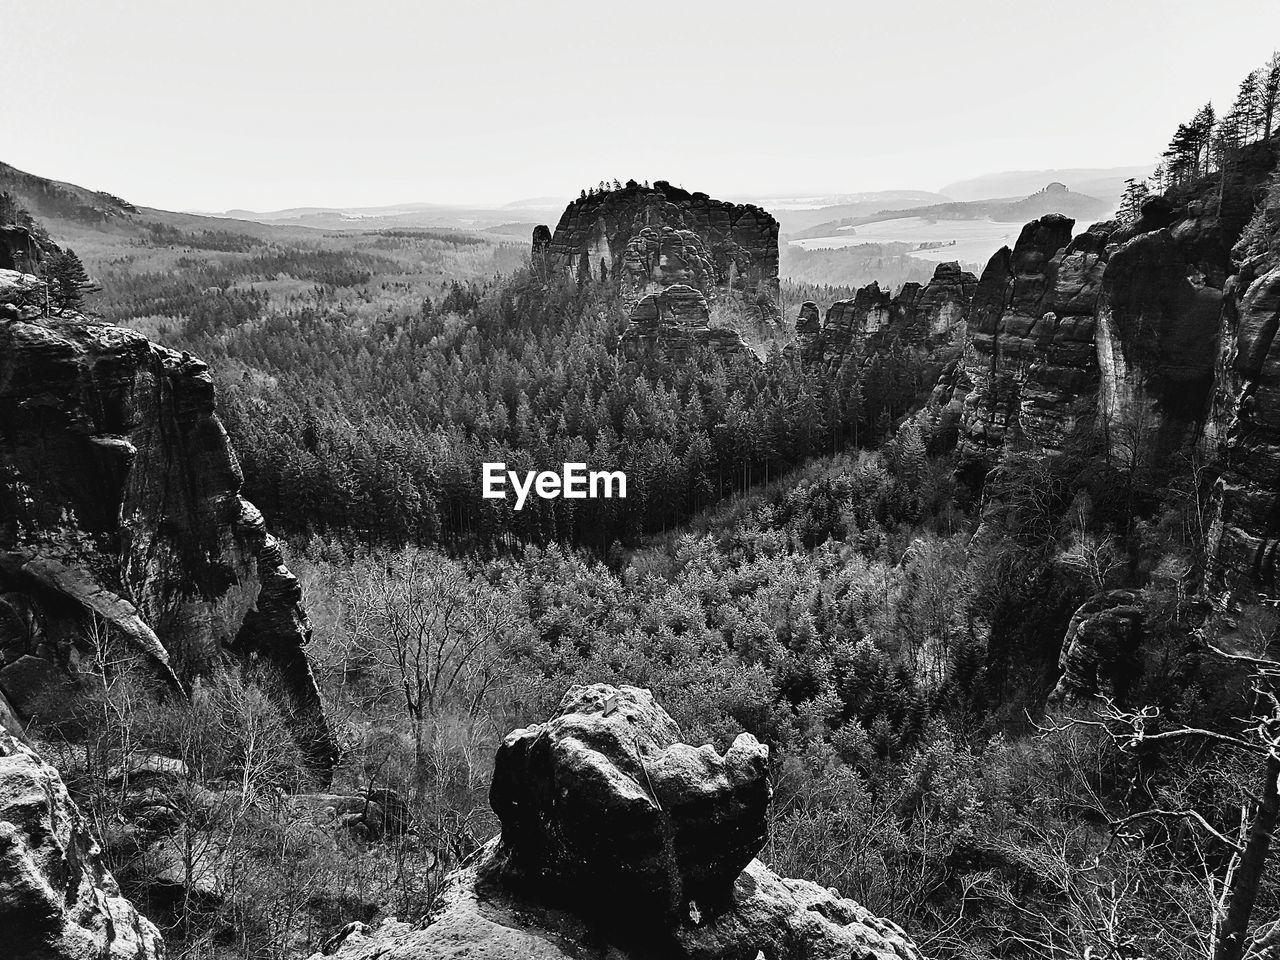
(974, 240)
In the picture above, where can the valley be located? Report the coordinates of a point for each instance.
(649, 574)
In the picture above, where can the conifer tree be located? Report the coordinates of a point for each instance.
(67, 280)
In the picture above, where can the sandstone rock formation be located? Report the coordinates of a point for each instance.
(1157, 333)
(119, 500)
(1029, 368)
(1100, 650)
(618, 841)
(928, 317)
(1118, 328)
(644, 239)
(58, 901)
(603, 807)
(672, 324)
(1244, 429)
(18, 248)
(808, 331)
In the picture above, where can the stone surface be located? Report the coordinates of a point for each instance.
(808, 342)
(1244, 428)
(604, 807)
(1124, 327)
(673, 324)
(1029, 368)
(1100, 651)
(19, 250)
(57, 899)
(120, 497)
(621, 843)
(768, 916)
(643, 239)
(1157, 328)
(929, 318)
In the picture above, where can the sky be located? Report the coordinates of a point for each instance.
(272, 104)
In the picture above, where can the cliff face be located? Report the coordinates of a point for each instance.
(619, 841)
(119, 500)
(644, 239)
(1029, 369)
(929, 317)
(675, 322)
(1244, 429)
(1118, 327)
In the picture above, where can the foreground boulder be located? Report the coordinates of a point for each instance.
(603, 806)
(58, 901)
(619, 841)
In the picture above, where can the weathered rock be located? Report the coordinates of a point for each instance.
(120, 497)
(931, 318)
(768, 916)
(807, 345)
(1030, 369)
(851, 323)
(1157, 332)
(604, 806)
(1121, 328)
(940, 310)
(377, 814)
(1100, 651)
(1244, 427)
(540, 255)
(675, 322)
(58, 901)
(644, 239)
(620, 843)
(19, 250)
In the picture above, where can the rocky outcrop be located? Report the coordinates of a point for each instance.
(1029, 368)
(927, 317)
(673, 324)
(808, 342)
(1100, 652)
(120, 500)
(603, 807)
(58, 901)
(1157, 331)
(851, 324)
(939, 310)
(1244, 428)
(1121, 327)
(643, 239)
(619, 841)
(19, 249)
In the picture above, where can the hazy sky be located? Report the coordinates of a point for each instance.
(269, 104)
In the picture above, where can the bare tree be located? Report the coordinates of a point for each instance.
(1248, 843)
(438, 634)
(1094, 558)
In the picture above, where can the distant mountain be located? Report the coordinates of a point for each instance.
(63, 205)
(1054, 198)
(406, 216)
(1105, 183)
(801, 212)
(536, 203)
(72, 211)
